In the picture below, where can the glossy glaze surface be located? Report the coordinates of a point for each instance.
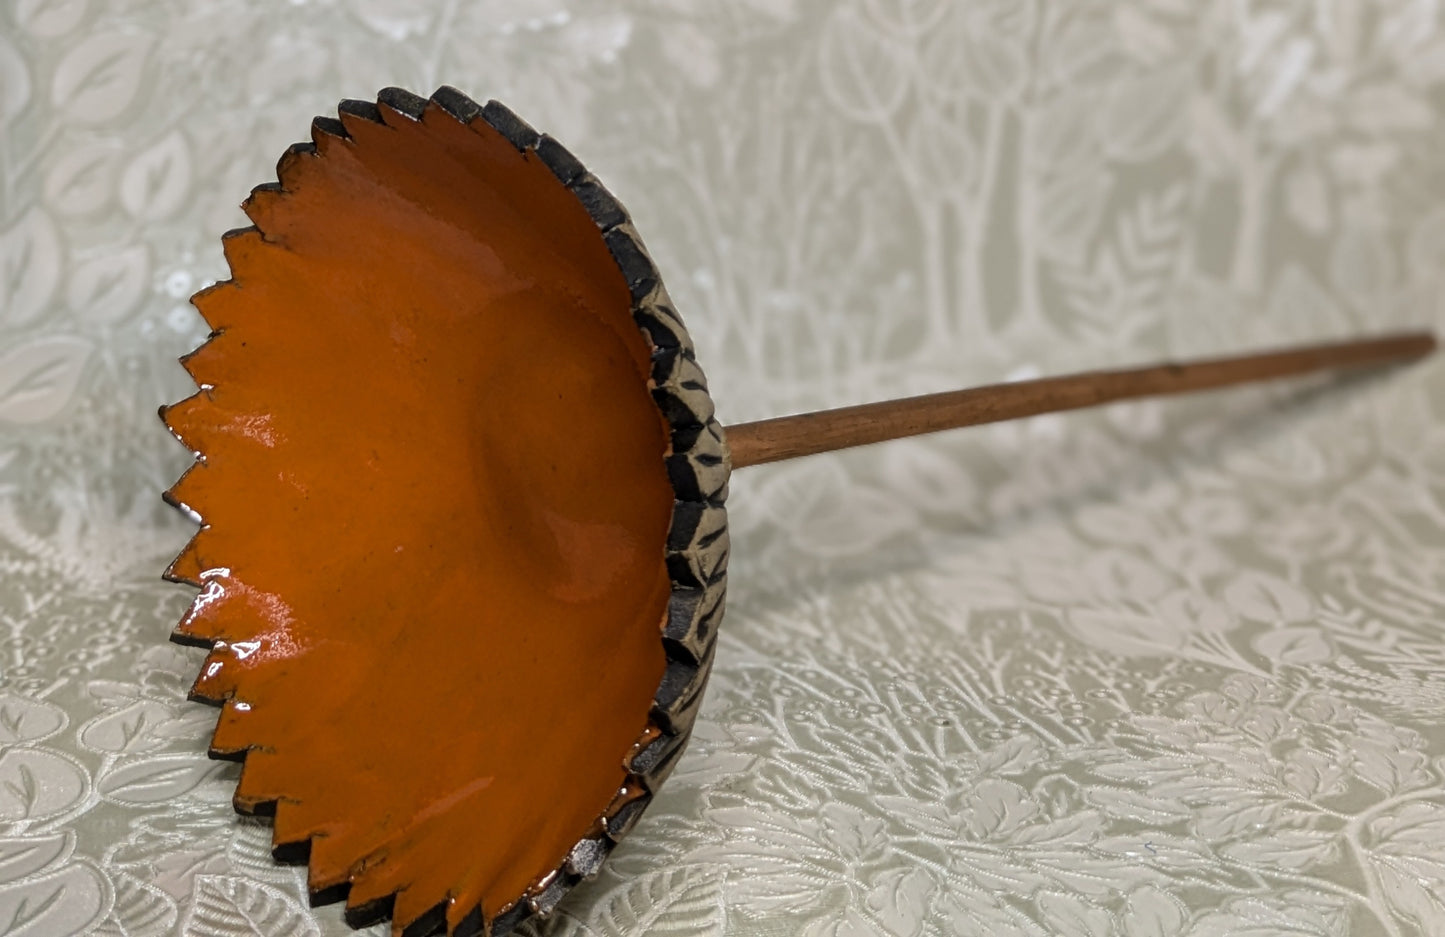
(434, 513)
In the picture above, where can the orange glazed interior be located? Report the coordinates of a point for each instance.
(434, 511)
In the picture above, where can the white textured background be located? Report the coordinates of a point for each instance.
(1165, 669)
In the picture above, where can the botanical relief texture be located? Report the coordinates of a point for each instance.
(1168, 668)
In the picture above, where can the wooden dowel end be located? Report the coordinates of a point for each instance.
(790, 437)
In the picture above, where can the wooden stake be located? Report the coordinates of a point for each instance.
(790, 437)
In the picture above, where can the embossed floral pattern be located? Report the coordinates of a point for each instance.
(1171, 668)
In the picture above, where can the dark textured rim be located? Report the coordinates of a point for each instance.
(697, 541)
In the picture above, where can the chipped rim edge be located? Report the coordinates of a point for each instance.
(697, 547)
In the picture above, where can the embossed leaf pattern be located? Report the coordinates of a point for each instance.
(36, 783)
(151, 780)
(80, 180)
(140, 910)
(49, 18)
(37, 379)
(106, 288)
(65, 901)
(155, 183)
(28, 720)
(29, 266)
(1170, 669)
(249, 851)
(14, 81)
(128, 729)
(865, 70)
(22, 856)
(232, 906)
(99, 77)
(683, 900)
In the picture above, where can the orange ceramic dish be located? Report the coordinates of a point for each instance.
(463, 545)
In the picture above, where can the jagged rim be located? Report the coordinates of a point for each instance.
(697, 542)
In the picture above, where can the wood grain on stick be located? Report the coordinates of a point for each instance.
(790, 437)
